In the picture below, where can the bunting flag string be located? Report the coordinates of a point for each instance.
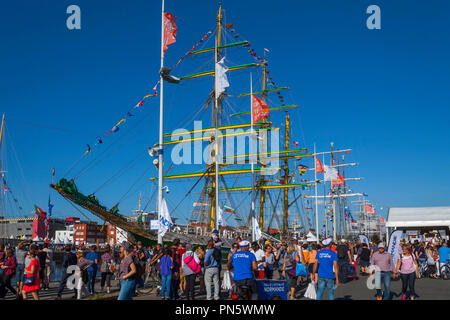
(141, 102)
(259, 59)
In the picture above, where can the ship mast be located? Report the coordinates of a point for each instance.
(215, 122)
(263, 133)
(286, 178)
(161, 123)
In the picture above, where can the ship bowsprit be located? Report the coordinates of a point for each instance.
(114, 218)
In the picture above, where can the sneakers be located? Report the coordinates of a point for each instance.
(379, 298)
(403, 297)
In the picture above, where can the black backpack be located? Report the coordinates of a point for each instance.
(365, 254)
(139, 268)
(217, 255)
(342, 251)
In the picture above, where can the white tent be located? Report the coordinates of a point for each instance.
(418, 217)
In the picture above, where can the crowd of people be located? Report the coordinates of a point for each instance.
(178, 267)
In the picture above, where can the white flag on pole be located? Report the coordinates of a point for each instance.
(221, 77)
(220, 219)
(330, 173)
(165, 222)
(256, 229)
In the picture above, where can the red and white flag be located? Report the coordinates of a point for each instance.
(295, 143)
(369, 209)
(319, 167)
(338, 181)
(170, 30)
(260, 109)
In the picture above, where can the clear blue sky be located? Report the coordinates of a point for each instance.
(384, 93)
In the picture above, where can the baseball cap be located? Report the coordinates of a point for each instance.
(244, 243)
(127, 246)
(327, 241)
(381, 245)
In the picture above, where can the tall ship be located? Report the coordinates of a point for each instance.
(235, 161)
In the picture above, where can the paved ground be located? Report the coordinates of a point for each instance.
(426, 289)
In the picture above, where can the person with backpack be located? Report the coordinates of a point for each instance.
(326, 266)
(383, 260)
(141, 259)
(105, 268)
(364, 258)
(212, 270)
(175, 280)
(289, 268)
(69, 259)
(191, 267)
(345, 257)
(409, 269)
(127, 272)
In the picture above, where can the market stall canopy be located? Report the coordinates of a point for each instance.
(418, 217)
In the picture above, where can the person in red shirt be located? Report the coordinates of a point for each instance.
(31, 273)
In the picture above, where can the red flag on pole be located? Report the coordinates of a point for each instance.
(170, 30)
(339, 180)
(369, 209)
(319, 167)
(260, 109)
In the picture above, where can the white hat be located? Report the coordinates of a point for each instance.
(343, 240)
(381, 245)
(327, 241)
(244, 243)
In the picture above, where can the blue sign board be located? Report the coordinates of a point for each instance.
(268, 288)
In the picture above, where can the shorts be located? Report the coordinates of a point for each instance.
(20, 269)
(250, 283)
(363, 263)
(293, 281)
(310, 268)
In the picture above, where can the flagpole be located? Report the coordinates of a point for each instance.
(216, 150)
(315, 184)
(251, 160)
(161, 117)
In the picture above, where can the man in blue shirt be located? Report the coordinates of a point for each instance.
(92, 270)
(244, 263)
(327, 264)
(444, 254)
(211, 271)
